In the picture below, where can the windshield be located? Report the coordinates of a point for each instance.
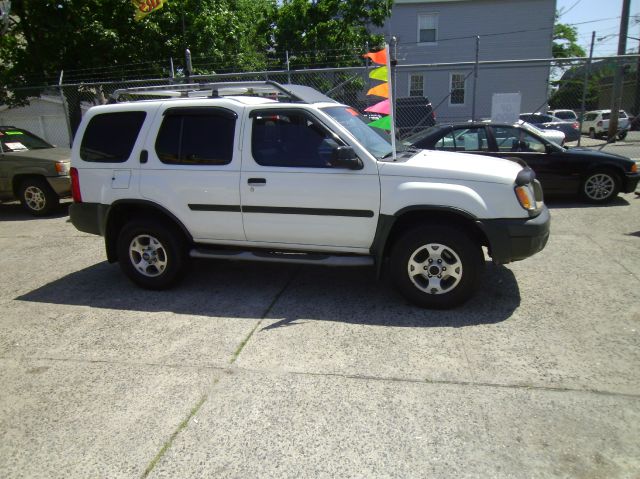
(541, 133)
(15, 139)
(373, 140)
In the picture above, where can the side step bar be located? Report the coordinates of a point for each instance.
(279, 257)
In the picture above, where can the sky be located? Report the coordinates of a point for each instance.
(604, 18)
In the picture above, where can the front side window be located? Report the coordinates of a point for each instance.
(374, 140)
(190, 137)
(290, 139)
(110, 137)
(428, 28)
(457, 88)
(416, 84)
(517, 140)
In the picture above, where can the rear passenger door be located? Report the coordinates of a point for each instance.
(192, 169)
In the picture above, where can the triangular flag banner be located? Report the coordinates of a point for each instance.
(380, 90)
(383, 123)
(379, 74)
(145, 7)
(377, 57)
(384, 107)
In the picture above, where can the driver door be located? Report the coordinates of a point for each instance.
(290, 194)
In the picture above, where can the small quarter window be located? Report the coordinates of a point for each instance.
(110, 137)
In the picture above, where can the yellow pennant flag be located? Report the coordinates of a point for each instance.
(380, 90)
(145, 7)
(379, 74)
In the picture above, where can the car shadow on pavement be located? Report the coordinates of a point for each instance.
(15, 212)
(272, 291)
(565, 203)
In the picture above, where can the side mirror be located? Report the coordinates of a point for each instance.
(345, 157)
(549, 148)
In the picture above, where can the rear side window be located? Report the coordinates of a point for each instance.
(109, 137)
(192, 137)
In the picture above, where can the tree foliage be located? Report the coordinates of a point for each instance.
(565, 42)
(322, 32)
(84, 37)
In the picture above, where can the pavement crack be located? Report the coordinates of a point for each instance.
(482, 384)
(264, 315)
(169, 442)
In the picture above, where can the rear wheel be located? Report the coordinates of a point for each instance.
(151, 254)
(592, 133)
(436, 266)
(622, 135)
(600, 187)
(37, 197)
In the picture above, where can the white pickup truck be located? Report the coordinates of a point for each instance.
(265, 172)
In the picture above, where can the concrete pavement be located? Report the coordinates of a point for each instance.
(285, 371)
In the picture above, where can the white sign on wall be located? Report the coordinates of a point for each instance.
(505, 107)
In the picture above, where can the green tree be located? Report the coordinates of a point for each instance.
(52, 35)
(328, 32)
(565, 38)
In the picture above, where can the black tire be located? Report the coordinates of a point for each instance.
(427, 245)
(37, 197)
(622, 135)
(592, 133)
(600, 186)
(164, 247)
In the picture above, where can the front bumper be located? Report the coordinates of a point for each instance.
(630, 182)
(516, 239)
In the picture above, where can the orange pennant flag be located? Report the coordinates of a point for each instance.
(380, 90)
(377, 57)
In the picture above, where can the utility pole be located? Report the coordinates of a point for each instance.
(616, 99)
(585, 87)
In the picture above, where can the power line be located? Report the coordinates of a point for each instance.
(570, 8)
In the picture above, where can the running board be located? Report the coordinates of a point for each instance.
(279, 257)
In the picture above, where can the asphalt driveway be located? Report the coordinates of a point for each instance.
(261, 370)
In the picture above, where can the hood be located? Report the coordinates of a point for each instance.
(453, 166)
(598, 155)
(48, 154)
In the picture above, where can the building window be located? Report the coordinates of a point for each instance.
(428, 28)
(416, 84)
(457, 88)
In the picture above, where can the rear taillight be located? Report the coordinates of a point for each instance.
(75, 186)
(576, 125)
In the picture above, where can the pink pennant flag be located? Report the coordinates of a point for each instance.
(384, 107)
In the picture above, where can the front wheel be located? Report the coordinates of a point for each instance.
(37, 197)
(600, 187)
(436, 266)
(151, 254)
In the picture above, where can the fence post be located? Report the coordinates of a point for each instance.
(475, 79)
(288, 68)
(65, 109)
(585, 86)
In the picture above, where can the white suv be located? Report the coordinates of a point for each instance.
(283, 173)
(596, 124)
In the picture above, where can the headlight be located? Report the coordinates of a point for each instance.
(62, 168)
(526, 197)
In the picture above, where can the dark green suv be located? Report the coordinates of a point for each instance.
(32, 171)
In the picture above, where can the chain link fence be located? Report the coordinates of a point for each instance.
(426, 94)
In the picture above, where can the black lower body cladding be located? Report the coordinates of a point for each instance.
(516, 239)
(88, 217)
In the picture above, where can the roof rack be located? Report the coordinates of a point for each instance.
(266, 89)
